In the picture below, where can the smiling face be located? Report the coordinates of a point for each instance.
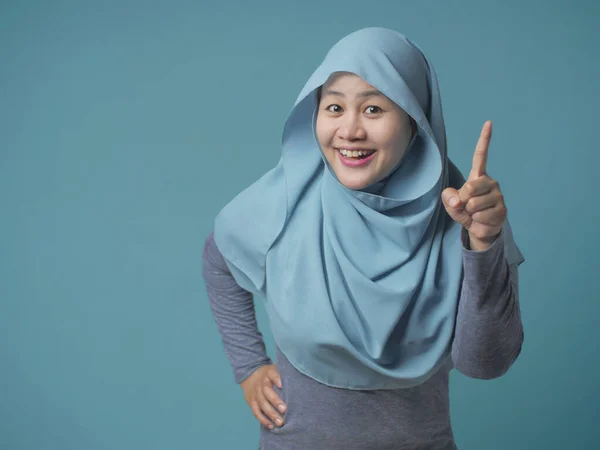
(363, 134)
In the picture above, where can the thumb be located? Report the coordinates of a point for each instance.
(450, 198)
(454, 207)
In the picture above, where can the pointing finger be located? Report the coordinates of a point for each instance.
(481, 151)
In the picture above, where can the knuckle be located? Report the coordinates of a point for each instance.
(265, 404)
(469, 188)
(471, 205)
(269, 397)
(266, 390)
(268, 393)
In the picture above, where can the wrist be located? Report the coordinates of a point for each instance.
(480, 245)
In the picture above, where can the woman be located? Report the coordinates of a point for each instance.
(382, 268)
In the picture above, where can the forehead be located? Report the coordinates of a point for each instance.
(347, 81)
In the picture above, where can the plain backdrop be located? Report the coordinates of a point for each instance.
(125, 126)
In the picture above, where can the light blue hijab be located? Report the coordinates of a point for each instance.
(361, 286)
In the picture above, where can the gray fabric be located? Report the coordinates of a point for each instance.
(488, 339)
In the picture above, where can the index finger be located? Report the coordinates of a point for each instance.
(481, 151)
(275, 377)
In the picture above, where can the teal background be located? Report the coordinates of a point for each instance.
(126, 126)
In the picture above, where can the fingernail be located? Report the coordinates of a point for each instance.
(281, 407)
(271, 426)
(453, 201)
(279, 422)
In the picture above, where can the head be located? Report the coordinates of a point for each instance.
(354, 116)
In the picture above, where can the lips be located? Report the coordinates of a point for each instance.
(355, 162)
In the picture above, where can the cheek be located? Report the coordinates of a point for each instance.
(383, 138)
(323, 133)
(396, 141)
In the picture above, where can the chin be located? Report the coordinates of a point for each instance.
(350, 177)
(353, 182)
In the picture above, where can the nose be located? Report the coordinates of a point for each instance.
(351, 128)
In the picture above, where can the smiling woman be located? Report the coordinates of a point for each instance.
(362, 133)
(381, 266)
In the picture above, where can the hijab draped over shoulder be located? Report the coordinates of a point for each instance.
(361, 286)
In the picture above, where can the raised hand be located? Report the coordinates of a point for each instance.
(479, 204)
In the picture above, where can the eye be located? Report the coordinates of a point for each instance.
(334, 108)
(373, 109)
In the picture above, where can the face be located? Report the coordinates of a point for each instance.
(363, 134)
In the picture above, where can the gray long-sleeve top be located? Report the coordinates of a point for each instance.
(487, 340)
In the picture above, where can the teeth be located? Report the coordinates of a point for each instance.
(353, 153)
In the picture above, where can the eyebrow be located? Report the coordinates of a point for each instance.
(372, 93)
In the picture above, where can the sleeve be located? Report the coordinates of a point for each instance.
(234, 313)
(489, 333)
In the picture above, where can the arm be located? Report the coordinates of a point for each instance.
(233, 311)
(489, 333)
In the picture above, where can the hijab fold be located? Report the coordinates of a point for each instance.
(361, 286)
